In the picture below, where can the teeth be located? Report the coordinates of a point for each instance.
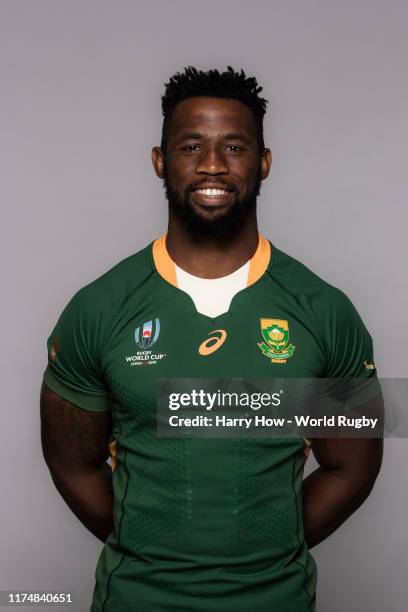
(212, 192)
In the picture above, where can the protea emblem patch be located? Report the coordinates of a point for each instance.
(275, 332)
(147, 334)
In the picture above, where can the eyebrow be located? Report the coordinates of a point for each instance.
(198, 136)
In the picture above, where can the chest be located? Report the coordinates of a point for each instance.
(261, 336)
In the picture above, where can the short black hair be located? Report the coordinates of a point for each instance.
(215, 84)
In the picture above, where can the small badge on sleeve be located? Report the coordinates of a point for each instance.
(54, 349)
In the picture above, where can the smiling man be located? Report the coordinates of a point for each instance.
(198, 524)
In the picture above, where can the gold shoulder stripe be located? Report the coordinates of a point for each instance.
(163, 262)
(260, 260)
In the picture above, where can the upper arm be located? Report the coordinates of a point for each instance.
(73, 438)
(350, 355)
(350, 352)
(75, 353)
(359, 458)
(76, 420)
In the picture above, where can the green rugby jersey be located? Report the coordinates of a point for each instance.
(202, 525)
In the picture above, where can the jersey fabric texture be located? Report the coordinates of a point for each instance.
(202, 525)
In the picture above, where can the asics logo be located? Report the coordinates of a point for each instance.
(213, 343)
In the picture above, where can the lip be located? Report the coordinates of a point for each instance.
(212, 201)
(212, 186)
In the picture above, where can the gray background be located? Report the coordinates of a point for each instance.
(80, 110)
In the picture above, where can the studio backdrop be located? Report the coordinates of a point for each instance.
(80, 111)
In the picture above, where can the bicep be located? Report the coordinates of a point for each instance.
(359, 458)
(72, 437)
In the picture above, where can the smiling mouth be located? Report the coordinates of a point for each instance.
(212, 197)
(212, 193)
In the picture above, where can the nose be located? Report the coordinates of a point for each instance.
(212, 162)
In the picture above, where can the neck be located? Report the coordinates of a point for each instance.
(210, 257)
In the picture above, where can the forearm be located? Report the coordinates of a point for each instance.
(329, 498)
(89, 494)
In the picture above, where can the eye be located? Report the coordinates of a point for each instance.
(192, 147)
(235, 148)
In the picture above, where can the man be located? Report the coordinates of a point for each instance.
(202, 525)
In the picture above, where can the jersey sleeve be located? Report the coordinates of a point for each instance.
(350, 353)
(73, 369)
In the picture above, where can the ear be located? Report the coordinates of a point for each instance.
(266, 161)
(158, 161)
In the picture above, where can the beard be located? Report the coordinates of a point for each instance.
(221, 225)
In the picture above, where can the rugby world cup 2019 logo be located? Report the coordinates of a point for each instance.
(275, 332)
(146, 335)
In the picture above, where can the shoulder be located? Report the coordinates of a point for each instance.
(330, 313)
(98, 301)
(308, 287)
(117, 282)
